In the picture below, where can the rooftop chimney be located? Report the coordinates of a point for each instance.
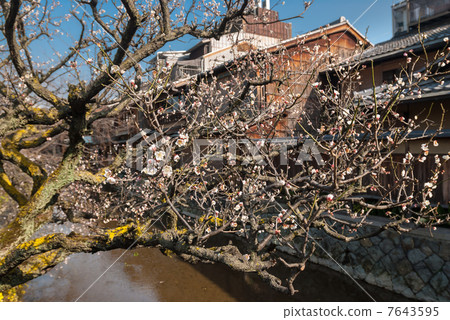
(264, 4)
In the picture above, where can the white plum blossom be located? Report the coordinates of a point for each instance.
(150, 170)
(159, 155)
(428, 185)
(181, 142)
(115, 69)
(436, 159)
(183, 139)
(111, 180)
(167, 171)
(330, 197)
(107, 173)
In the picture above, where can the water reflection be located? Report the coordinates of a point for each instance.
(147, 275)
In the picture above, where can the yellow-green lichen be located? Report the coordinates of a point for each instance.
(211, 220)
(116, 232)
(36, 242)
(169, 253)
(39, 263)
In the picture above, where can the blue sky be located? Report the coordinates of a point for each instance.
(377, 19)
(373, 16)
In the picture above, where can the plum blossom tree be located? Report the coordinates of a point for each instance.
(251, 203)
(234, 179)
(115, 40)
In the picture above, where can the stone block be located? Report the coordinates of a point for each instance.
(443, 298)
(434, 263)
(366, 243)
(386, 245)
(383, 234)
(427, 294)
(378, 269)
(340, 258)
(376, 240)
(361, 252)
(359, 272)
(389, 266)
(349, 269)
(375, 253)
(408, 293)
(392, 235)
(397, 255)
(433, 245)
(418, 242)
(371, 279)
(426, 249)
(439, 282)
(397, 241)
(446, 269)
(353, 246)
(336, 249)
(444, 251)
(404, 267)
(446, 294)
(422, 270)
(352, 259)
(415, 256)
(414, 282)
(367, 264)
(398, 284)
(384, 280)
(407, 243)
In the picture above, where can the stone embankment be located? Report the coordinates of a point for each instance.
(416, 264)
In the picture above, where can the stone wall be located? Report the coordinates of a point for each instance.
(416, 264)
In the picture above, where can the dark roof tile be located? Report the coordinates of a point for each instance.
(430, 89)
(408, 41)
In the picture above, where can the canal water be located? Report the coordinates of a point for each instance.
(146, 274)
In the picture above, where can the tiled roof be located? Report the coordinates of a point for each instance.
(429, 89)
(408, 41)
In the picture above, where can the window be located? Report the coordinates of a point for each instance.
(390, 75)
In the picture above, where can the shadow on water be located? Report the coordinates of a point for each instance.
(147, 275)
